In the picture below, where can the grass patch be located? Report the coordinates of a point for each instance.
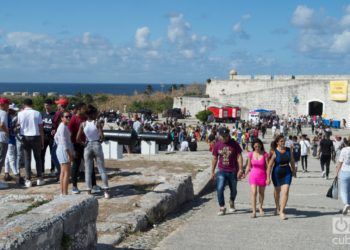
(30, 207)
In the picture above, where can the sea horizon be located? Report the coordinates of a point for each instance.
(84, 88)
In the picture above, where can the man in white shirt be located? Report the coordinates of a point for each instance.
(305, 147)
(31, 129)
(4, 133)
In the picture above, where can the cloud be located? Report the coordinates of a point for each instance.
(141, 37)
(238, 29)
(303, 16)
(319, 35)
(178, 29)
(341, 43)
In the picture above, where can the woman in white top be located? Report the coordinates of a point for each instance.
(343, 173)
(93, 149)
(64, 150)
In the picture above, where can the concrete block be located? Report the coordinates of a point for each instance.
(116, 150)
(149, 147)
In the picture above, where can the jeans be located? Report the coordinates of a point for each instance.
(3, 151)
(32, 143)
(344, 186)
(56, 163)
(48, 142)
(325, 160)
(221, 179)
(304, 162)
(78, 157)
(20, 154)
(93, 150)
(11, 160)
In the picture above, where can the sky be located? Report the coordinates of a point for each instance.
(168, 41)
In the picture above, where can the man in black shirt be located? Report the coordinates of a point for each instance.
(326, 150)
(47, 116)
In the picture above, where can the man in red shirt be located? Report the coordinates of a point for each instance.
(73, 127)
(227, 154)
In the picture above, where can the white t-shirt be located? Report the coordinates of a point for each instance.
(345, 159)
(305, 145)
(29, 121)
(4, 120)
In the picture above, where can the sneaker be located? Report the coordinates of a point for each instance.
(107, 194)
(222, 211)
(75, 190)
(40, 182)
(345, 209)
(323, 174)
(95, 189)
(303, 171)
(28, 183)
(232, 208)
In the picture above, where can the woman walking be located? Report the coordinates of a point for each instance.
(282, 165)
(257, 165)
(343, 173)
(93, 149)
(64, 150)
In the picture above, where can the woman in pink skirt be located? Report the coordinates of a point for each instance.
(257, 164)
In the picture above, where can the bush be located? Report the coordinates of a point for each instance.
(203, 115)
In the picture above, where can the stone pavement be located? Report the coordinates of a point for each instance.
(309, 223)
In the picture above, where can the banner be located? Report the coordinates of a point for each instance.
(338, 90)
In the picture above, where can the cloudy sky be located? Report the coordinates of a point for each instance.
(169, 41)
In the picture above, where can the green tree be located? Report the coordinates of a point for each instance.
(149, 89)
(203, 115)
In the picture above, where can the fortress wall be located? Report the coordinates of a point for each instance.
(280, 97)
(218, 88)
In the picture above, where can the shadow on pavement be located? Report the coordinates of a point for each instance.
(300, 214)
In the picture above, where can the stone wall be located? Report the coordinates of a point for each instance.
(64, 223)
(273, 92)
(280, 98)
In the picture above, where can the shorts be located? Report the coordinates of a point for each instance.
(62, 155)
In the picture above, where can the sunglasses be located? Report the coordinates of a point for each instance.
(67, 116)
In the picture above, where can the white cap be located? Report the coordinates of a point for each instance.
(13, 107)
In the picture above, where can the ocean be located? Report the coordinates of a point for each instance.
(84, 88)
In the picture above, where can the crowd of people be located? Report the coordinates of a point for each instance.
(74, 136)
(71, 135)
(279, 165)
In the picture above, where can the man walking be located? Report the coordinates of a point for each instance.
(4, 134)
(305, 147)
(228, 155)
(326, 151)
(31, 129)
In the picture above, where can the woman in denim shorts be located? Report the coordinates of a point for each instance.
(64, 150)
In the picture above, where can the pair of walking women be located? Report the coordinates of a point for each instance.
(260, 164)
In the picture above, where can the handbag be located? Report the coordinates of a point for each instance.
(333, 190)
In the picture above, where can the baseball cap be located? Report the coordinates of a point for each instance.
(224, 131)
(4, 100)
(62, 101)
(13, 107)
